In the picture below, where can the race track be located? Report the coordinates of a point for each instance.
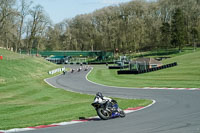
(175, 111)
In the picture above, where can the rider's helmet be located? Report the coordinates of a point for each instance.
(99, 94)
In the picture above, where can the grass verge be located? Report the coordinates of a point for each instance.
(185, 75)
(26, 100)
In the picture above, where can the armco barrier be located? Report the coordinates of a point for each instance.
(118, 67)
(99, 63)
(148, 70)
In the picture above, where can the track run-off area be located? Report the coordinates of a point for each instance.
(175, 110)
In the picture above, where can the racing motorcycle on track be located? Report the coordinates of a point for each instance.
(106, 108)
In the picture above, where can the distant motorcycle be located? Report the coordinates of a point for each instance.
(108, 109)
(79, 69)
(64, 72)
(86, 68)
(72, 70)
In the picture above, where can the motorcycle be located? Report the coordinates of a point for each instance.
(108, 109)
(79, 69)
(72, 70)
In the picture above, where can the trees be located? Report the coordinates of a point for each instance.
(178, 29)
(35, 27)
(195, 37)
(23, 11)
(16, 29)
(165, 35)
(7, 23)
(134, 26)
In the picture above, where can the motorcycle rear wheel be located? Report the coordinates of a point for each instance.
(103, 114)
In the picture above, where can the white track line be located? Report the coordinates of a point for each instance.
(145, 88)
(70, 122)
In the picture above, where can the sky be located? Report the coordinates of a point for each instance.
(58, 10)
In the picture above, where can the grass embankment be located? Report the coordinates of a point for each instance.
(164, 53)
(185, 75)
(26, 100)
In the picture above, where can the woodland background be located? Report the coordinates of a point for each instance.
(128, 27)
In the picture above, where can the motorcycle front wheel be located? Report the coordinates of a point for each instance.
(122, 113)
(103, 114)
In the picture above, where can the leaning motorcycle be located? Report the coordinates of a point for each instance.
(108, 110)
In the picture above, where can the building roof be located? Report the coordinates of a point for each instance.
(148, 61)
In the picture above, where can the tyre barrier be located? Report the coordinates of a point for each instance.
(148, 70)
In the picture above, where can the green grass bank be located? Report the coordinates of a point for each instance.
(26, 100)
(185, 75)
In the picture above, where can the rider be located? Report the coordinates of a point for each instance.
(110, 103)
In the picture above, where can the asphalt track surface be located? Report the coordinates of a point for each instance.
(175, 111)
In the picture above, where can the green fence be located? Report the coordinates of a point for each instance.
(72, 53)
